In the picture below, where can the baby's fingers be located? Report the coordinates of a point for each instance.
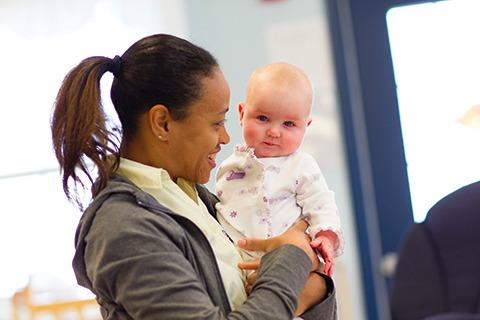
(326, 251)
(328, 268)
(315, 243)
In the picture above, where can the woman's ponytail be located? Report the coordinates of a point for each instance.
(79, 129)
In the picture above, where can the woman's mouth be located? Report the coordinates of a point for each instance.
(211, 159)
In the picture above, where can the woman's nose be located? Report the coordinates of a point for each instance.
(224, 136)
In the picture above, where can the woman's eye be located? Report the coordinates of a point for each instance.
(289, 124)
(220, 123)
(262, 118)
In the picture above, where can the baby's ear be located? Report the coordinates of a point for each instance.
(241, 109)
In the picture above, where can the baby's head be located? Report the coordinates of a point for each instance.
(276, 111)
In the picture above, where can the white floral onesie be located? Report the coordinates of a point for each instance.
(262, 197)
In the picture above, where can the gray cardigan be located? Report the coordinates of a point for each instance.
(143, 261)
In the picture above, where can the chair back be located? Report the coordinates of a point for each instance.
(438, 269)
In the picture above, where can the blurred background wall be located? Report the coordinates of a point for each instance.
(41, 41)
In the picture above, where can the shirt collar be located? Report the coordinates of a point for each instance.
(148, 177)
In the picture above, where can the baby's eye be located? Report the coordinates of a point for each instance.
(262, 118)
(289, 124)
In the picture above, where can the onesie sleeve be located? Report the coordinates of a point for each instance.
(318, 201)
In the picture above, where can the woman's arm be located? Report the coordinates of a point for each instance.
(141, 265)
(313, 292)
(327, 309)
(319, 305)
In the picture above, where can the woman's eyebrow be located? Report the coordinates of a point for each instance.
(224, 111)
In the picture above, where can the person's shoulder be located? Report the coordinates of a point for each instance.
(241, 152)
(121, 218)
(241, 158)
(304, 155)
(121, 206)
(127, 208)
(231, 158)
(304, 160)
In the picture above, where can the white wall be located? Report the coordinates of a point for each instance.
(40, 43)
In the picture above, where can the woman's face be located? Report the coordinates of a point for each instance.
(196, 140)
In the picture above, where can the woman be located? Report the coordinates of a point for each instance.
(148, 245)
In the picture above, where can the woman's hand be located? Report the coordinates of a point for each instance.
(295, 235)
(314, 291)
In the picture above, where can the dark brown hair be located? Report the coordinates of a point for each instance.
(159, 69)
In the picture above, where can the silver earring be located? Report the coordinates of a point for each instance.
(160, 137)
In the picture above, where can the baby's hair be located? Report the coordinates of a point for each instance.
(279, 72)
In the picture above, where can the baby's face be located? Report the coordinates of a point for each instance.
(274, 121)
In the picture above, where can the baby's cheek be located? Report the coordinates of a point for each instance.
(250, 136)
(292, 143)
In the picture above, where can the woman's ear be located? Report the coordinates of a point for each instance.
(159, 121)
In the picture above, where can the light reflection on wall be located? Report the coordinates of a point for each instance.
(436, 61)
(39, 47)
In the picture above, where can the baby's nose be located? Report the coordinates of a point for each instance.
(273, 132)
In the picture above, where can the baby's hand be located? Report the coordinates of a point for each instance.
(323, 243)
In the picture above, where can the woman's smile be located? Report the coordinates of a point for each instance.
(212, 157)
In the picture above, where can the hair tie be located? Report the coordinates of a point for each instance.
(115, 66)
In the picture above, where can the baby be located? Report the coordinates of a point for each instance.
(268, 184)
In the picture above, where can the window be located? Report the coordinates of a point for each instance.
(40, 44)
(436, 61)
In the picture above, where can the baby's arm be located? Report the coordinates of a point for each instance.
(320, 210)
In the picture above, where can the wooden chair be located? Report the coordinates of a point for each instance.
(22, 303)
